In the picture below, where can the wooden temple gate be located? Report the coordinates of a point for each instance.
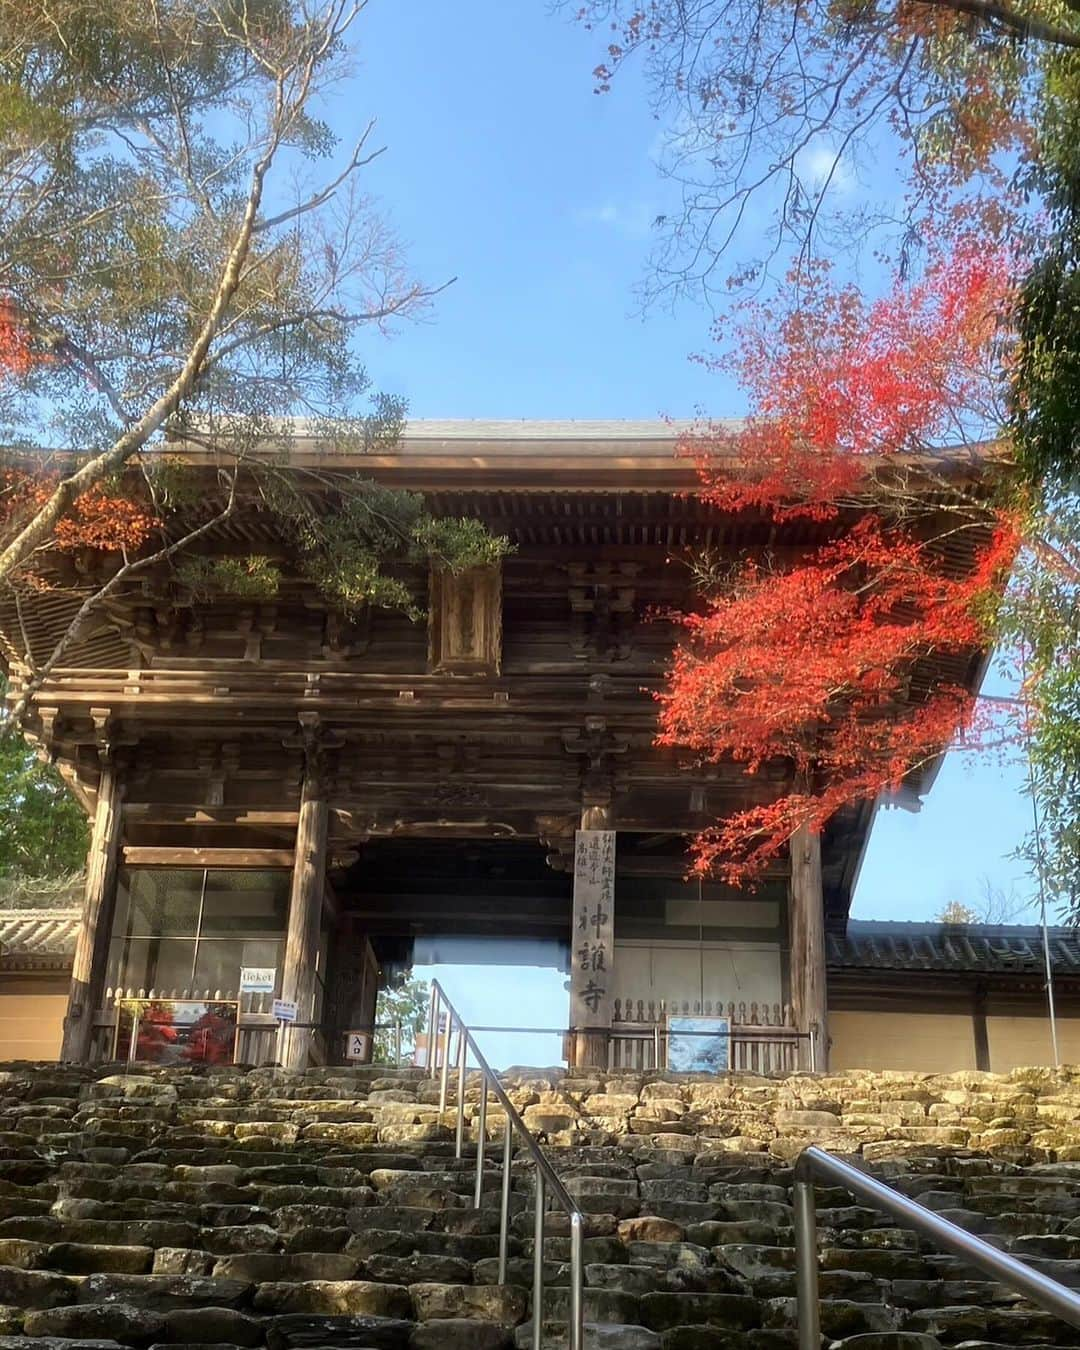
(279, 784)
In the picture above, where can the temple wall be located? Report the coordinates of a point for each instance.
(1015, 1041)
(931, 1042)
(32, 1011)
(724, 972)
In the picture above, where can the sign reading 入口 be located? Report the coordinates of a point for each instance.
(357, 1045)
(592, 942)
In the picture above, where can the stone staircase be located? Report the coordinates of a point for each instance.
(247, 1209)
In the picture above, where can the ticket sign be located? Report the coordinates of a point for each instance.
(284, 1010)
(257, 979)
(357, 1045)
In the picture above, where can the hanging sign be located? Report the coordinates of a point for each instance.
(357, 1045)
(284, 1010)
(257, 979)
(592, 942)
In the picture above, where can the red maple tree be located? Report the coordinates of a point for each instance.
(809, 661)
(101, 520)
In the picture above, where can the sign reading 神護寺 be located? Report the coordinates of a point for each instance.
(592, 944)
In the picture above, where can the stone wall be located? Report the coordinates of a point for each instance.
(165, 1208)
(1027, 1115)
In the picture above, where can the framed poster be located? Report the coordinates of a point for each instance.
(699, 1044)
(177, 1031)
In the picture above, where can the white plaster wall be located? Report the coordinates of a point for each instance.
(739, 972)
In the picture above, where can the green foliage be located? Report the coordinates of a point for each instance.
(1039, 619)
(43, 830)
(1046, 368)
(137, 142)
(252, 578)
(408, 1006)
(347, 536)
(1055, 756)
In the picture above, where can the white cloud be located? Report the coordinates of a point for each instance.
(634, 220)
(820, 164)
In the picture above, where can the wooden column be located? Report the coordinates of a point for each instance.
(92, 942)
(305, 911)
(806, 926)
(592, 945)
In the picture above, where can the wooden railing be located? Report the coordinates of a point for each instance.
(764, 1038)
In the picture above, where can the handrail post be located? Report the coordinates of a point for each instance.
(577, 1281)
(504, 1206)
(463, 1056)
(445, 1062)
(133, 1048)
(806, 1270)
(546, 1179)
(481, 1133)
(538, 1264)
(432, 1025)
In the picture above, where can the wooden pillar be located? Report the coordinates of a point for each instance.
(980, 1028)
(592, 945)
(806, 926)
(92, 942)
(305, 913)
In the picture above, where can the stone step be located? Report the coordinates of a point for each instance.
(327, 1208)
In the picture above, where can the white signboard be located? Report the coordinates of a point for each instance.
(357, 1045)
(592, 942)
(257, 979)
(284, 1010)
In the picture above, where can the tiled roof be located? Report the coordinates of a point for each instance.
(563, 429)
(992, 948)
(38, 932)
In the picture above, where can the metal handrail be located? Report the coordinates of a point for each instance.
(815, 1162)
(547, 1180)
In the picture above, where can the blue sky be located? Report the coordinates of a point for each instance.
(503, 169)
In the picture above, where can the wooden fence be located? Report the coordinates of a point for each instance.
(764, 1038)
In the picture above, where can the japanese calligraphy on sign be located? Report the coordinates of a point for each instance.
(592, 938)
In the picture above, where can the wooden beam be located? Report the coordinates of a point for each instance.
(806, 919)
(91, 942)
(156, 813)
(139, 855)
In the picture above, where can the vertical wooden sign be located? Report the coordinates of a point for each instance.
(592, 945)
